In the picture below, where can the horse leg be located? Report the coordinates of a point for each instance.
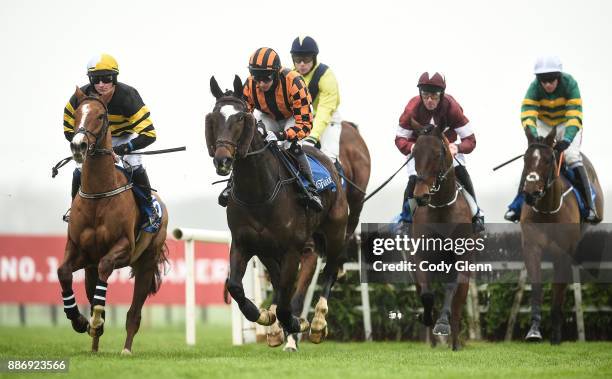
(318, 329)
(71, 263)
(534, 272)
(118, 256)
(443, 327)
(562, 272)
(457, 308)
(426, 295)
(238, 265)
(91, 278)
(144, 278)
(308, 265)
(274, 333)
(289, 268)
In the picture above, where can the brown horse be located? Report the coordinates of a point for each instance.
(550, 223)
(355, 160)
(441, 204)
(265, 216)
(103, 226)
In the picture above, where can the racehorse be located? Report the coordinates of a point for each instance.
(440, 202)
(103, 225)
(355, 160)
(264, 215)
(550, 223)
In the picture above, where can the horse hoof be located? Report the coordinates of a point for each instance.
(317, 336)
(126, 352)
(304, 325)
(533, 335)
(291, 346)
(274, 339)
(441, 329)
(80, 324)
(266, 317)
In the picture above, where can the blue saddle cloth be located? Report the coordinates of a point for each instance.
(569, 176)
(321, 176)
(145, 212)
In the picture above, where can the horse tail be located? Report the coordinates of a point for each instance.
(160, 266)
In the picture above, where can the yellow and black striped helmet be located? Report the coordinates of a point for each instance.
(264, 59)
(102, 64)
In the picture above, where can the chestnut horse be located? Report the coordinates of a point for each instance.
(442, 212)
(102, 229)
(550, 223)
(264, 215)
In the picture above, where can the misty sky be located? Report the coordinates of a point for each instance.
(377, 49)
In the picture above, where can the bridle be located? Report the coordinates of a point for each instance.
(550, 176)
(442, 173)
(94, 149)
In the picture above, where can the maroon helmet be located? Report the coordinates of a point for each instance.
(432, 83)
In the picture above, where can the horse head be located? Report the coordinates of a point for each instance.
(229, 128)
(540, 165)
(91, 126)
(432, 160)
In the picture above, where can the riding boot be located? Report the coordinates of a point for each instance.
(466, 182)
(225, 194)
(514, 209)
(312, 196)
(408, 203)
(141, 180)
(76, 183)
(584, 186)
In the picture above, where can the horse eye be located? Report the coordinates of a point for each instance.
(100, 117)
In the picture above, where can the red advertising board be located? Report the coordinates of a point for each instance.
(28, 273)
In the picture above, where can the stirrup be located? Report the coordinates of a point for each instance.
(512, 216)
(478, 223)
(224, 197)
(314, 199)
(66, 216)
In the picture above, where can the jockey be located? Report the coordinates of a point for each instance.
(279, 99)
(553, 99)
(323, 88)
(130, 126)
(434, 106)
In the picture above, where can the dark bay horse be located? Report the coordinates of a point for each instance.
(265, 217)
(355, 160)
(550, 223)
(102, 229)
(440, 204)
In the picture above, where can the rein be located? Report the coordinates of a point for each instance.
(440, 177)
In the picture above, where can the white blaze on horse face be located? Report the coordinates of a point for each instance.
(85, 108)
(228, 110)
(537, 157)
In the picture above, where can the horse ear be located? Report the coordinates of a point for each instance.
(529, 135)
(80, 95)
(210, 134)
(550, 138)
(237, 86)
(214, 88)
(247, 135)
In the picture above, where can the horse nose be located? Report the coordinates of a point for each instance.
(223, 165)
(423, 200)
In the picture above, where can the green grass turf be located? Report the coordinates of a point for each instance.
(162, 353)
